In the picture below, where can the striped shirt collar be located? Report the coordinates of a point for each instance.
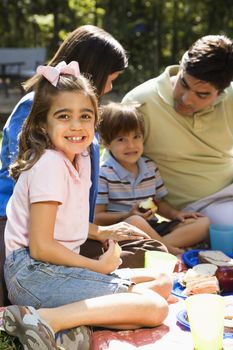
(124, 173)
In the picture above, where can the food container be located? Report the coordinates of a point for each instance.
(225, 278)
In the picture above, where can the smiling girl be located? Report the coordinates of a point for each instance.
(47, 222)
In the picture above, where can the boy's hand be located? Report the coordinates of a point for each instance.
(147, 215)
(110, 260)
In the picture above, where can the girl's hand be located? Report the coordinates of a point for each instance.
(182, 215)
(121, 231)
(110, 260)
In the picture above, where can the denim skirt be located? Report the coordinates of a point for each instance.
(39, 284)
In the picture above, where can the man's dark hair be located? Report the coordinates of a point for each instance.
(210, 59)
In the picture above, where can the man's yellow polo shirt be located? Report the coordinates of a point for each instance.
(194, 154)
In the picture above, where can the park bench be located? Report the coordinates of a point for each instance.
(19, 64)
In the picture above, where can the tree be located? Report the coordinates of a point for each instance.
(154, 32)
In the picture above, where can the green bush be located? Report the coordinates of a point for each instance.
(8, 342)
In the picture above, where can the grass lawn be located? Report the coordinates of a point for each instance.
(9, 343)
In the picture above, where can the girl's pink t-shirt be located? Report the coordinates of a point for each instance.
(52, 178)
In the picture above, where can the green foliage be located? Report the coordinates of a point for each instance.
(154, 32)
(0, 150)
(8, 342)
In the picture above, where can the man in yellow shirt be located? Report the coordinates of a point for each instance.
(188, 112)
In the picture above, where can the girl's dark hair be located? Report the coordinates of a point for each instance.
(96, 51)
(210, 59)
(117, 118)
(33, 138)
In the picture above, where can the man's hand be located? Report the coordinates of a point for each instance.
(182, 215)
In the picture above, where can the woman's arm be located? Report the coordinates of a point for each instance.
(95, 160)
(9, 148)
(117, 232)
(44, 247)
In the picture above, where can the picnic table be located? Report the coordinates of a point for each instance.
(19, 64)
(5, 67)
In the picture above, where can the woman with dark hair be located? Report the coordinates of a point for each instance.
(98, 53)
(101, 58)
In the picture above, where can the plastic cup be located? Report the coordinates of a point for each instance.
(206, 319)
(160, 261)
(221, 237)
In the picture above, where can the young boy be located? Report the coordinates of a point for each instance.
(126, 178)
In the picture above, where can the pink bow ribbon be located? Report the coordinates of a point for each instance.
(52, 73)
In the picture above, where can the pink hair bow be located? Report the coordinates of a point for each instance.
(52, 73)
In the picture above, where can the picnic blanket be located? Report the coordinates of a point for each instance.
(162, 337)
(170, 335)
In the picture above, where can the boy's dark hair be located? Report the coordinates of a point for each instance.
(119, 118)
(210, 59)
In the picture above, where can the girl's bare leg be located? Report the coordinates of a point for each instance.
(144, 305)
(145, 280)
(123, 310)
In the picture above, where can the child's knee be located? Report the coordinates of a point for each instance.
(205, 221)
(157, 313)
(136, 220)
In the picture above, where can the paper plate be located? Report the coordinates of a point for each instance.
(182, 318)
(190, 258)
(177, 290)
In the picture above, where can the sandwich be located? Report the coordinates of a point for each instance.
(215, 257)
(148, 204)
(200, 279)
(224, 264)
(202, 285)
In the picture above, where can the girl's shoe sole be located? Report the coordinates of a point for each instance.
(30, 336)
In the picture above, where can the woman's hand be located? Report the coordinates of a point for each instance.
(121, 231)
(110, 260)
